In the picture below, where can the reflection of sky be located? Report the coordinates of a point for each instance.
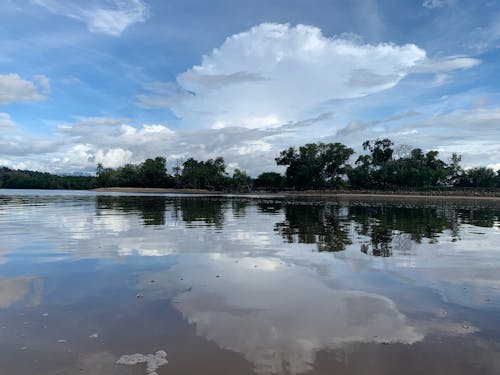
(240, 283)
(72, 226)
(278, 315)
(13, 290)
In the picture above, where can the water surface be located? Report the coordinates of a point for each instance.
(233, 285)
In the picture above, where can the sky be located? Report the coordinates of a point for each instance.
(119, 81)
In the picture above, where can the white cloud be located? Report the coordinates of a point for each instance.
(494, 166)
(113, 158)
(281, 72)
(446, 64)
(470, 132)
(252, 147)
(109, 17)
(5, 120)
(433, 4)
(80, 146)
(15, 89)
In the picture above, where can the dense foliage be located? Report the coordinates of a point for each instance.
(413, 169)
(151, 173)
(17, 179)
(311, 166)
(315, 165)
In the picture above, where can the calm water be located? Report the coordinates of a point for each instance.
(246, 286)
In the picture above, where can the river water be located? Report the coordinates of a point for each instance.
(246, 285)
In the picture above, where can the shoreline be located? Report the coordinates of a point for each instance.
(311, 194)
(153, 190)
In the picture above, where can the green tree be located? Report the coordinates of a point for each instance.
(376, 169)
(210, 174)
(153, 172)
(315, 165)
(270, 181)
(381, 150)
(479, 177)
(335, 156)
(105, 176)
(455, 171)
(241, 180)
(129, 175)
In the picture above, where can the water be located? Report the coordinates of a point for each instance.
(231, 285)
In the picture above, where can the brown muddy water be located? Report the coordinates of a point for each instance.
(115, 285)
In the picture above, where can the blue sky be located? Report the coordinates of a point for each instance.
(117, 81)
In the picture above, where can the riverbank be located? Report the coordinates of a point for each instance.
(433, 195)
(153, 190)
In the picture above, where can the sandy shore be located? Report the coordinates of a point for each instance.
(314, 194)
(389, 196)
(153, 190)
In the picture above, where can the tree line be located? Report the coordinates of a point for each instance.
(381, 167)
(313, 166)
(21, 179)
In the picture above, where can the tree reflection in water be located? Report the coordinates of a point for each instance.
(324, 225)
(388, 227)
(150, 208)
(195, 211)
(239, 207)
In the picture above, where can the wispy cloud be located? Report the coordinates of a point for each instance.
(214, 81)
(486, 37)
(91, 122)
(357, 126)
(433, 4)
(446, 64)
(109, 17)
(43, 83)
(401, 116)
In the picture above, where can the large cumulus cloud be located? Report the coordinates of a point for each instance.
(275, 73)
(263, 90)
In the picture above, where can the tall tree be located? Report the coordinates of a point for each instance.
(315, 165)
(381, 150)
(153, 172)
(210, 174)
(455, 170)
